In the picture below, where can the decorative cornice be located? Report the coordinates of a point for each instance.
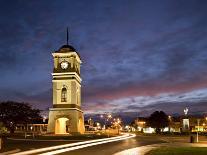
(74, 54)
(64, 109)
(66, 106)
(66, 75)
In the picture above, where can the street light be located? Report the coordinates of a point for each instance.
(186, 111)
(109, 116)
(106, 118)
(98, 125)
(44, 119)
(118, 121)
(170, 120)
(127, 127)
(198, 121)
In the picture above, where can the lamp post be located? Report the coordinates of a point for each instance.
(106, 118)
(186, 123)
(44, 121)
(104, 122)
(170, 120)
(198, 121)
(118, 124)
(185, 111)
(98, 125)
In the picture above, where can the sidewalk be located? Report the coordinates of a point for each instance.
(144, 149)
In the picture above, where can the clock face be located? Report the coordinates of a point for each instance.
(64, 65)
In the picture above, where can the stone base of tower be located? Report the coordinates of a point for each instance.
(65, 121)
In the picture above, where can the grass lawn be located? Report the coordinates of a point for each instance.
(179, 151)
(28, 145)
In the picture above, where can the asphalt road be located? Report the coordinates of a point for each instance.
(114, 147)
(101, 149)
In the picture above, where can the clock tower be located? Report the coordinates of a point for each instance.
(66, 116)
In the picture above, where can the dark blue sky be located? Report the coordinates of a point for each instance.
(137, 55)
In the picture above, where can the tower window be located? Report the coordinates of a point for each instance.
(64, 95)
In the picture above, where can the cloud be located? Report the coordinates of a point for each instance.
(133, 52)
(170, 102)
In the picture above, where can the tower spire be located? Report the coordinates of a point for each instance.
(67, 36)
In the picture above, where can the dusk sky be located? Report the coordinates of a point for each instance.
(138, 56)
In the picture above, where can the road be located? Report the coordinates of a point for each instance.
(114, 147)
(103, 146)
(93, 147)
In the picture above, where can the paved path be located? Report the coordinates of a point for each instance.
(144, 149)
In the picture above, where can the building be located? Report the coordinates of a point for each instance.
(176, 125)
(66, 116)
(139, 124)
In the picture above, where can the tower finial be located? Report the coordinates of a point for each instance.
(67, 36)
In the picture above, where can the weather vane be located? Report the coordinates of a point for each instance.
(186, 111)
(67, 36)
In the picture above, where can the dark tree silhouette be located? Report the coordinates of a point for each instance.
(158, 120)
(13, 113)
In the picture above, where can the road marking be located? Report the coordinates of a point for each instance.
(43, 140)
(9, 152)
(86, 145)
(66, 145)
(142, 150)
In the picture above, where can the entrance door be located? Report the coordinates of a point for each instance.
(60, 126)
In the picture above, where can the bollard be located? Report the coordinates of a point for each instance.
(2, 143)
(191, 139)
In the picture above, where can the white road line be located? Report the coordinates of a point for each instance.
(142, 150)
(65, 145)
(43, 140)
(9, 152)
(84, 146)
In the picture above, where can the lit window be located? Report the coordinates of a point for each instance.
(64, 95)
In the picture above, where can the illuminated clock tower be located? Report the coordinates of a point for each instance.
(66, 116)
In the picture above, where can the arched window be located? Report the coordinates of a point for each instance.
(64, 95)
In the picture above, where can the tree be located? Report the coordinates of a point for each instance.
(2, 128)
(158, 120)
(13, 113)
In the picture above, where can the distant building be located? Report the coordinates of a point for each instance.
(140, 123)
(37, 126)
(175, 125)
